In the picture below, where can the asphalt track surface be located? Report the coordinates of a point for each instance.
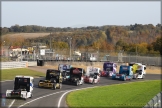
(43, 97)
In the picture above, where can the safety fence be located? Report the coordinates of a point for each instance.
(11, 65)
(155, 102)
(151, 61)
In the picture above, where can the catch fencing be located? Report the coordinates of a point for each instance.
(155, 102)
(150, 61)
(102, 55)
(11, 65)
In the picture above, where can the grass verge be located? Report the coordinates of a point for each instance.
(135, 94)
(9, 74)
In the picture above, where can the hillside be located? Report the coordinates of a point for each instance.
(25, 35)
(111, 38)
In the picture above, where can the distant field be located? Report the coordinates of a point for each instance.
(27, 35)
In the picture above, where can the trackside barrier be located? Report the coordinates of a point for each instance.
(155, 102)
(11, 65)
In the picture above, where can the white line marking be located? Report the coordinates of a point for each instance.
(90, 87)
(39, 98)
(62, 97)
(70, 91)
(11, 103)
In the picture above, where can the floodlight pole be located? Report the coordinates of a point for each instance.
(70, 46)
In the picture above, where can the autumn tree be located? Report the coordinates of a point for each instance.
(157, 45)
(142, 48)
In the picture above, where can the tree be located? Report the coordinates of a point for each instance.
(109, 37)
(157, 45)
(142, 48)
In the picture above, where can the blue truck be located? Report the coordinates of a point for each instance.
(125, 73)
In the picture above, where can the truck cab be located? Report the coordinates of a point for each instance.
(65, 70)
(109, 68)
(53, 80)
(125, 73)
(139, 71)
(76, 76)
(23, 87)
(92, 75)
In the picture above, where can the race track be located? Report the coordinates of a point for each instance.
(56, 98)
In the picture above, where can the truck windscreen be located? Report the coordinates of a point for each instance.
(108, 67)
(22, 83)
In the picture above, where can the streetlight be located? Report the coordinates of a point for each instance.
(70, 38)
(50, 42)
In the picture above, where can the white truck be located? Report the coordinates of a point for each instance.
(23, 87)
(92, 75)
(139, 71)
(65, 70)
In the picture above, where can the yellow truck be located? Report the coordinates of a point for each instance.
(139, 71)
(53, 80)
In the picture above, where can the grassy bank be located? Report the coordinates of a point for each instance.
(135, 94)
(9, 74)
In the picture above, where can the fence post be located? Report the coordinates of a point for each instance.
(153, 103)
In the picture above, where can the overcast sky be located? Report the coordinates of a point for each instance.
(80, 13)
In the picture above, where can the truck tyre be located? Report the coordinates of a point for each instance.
(124, 78)
(82, 82)
(31, 95)
(77, 83)
(93, 81)
(143, 76)
(38, 85)
(60, 86)
(54, 87)
(25, 97)
(98, 81)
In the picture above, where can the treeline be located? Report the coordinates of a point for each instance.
(145, 38)
(139, 28)
(35, 29)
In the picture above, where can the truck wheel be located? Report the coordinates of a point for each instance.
(143, 76)
(77, 83)
(82, 82)
(31, 95)
(38, 85)
(60, 86)
(25, 97)
(98, 81)
(54, 87)
(93, 82)
(124, 78)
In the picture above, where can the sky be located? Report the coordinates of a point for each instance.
(80, 13)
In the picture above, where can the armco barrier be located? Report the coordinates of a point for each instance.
(11, 65)
(155, 102)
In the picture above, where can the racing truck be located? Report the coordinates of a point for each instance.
(92, 75)
(125, 73)
(65, 69)
(139, 71)
(76, 76)
(109, 68)
(53, 80)
(23, 87)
